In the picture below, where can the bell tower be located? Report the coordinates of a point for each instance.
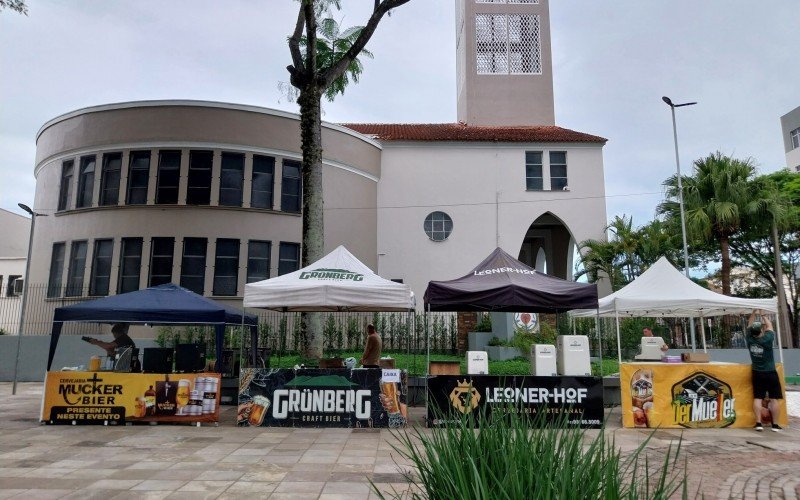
(504, 62)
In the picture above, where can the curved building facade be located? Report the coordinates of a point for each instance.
(207, 195)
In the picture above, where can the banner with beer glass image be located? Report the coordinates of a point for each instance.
(691, 396)
(322, 398)
(83, 398)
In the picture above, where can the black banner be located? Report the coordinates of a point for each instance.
(577, 399)
(87, 415)
(322, 398)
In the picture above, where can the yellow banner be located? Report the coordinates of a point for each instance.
(109, 397)
(691, 395)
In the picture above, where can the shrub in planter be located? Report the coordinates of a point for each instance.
(484, 323)
(495, 342)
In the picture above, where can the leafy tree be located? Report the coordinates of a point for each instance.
(324, 60)
(15, 5)
(754, 246)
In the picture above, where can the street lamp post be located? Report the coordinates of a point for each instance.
(680, 198)
(25, 288)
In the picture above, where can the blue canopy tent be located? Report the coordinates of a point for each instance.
(167, 304)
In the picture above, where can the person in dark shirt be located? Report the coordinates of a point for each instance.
(765, 378)
(121, 339)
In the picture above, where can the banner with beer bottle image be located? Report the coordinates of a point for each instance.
(690, 397)
(322, 398)
(107, 397)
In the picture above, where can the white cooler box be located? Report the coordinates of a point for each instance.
(477, 363)
(573, 355)
(543, 360)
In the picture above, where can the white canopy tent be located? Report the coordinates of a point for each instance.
(336, 282)
(663, 291)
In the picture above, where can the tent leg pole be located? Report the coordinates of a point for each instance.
(703, 332)
(619, 341)
(599, 340)
(778, 334)
(427, 344)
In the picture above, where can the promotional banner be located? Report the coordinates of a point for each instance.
(691, 395)
(362, 397)
(84, 398)
(580, 399)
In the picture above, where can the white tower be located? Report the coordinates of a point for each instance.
(504, 62)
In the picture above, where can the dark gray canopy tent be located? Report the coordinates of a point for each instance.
(501, 283)
(167, 304)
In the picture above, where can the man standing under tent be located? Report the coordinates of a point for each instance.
(765, 377)
(372, 351)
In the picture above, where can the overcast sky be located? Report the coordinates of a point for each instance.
(613, 60)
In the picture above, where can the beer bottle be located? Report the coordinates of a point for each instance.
(150, 401)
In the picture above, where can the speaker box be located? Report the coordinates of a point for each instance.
(157, 360)
(190, 358)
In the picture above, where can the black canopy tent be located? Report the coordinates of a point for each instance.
(167, 304)
(501, 283)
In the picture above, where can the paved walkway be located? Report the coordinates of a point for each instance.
(170, 461)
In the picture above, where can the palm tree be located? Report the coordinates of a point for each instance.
(601, 259)
(716, 200)
(315, 73)
(627, 241)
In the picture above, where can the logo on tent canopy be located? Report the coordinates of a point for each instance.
(331, 274)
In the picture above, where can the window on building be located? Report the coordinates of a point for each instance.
(169, 174)
(193, 264)
(199, 183)
(77, 268)
(226, 267)
(138, 178)
(86, 181)
(258, 260)
(291, 186)
(231, 181)
(130, 265)
(101, 267)
(507, 44)
(533, 171)
(54, 282)
(109, 179)
(1, 281)
(161, 253)
(795, 135)
(65, 191)
(263, 181)
(13, 289)
(558, 170)
(288, 258)
(438, 226)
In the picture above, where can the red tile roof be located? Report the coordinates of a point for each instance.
(430, 132)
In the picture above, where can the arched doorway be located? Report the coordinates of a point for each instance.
(548, 247)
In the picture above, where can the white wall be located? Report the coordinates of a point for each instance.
(465, 181)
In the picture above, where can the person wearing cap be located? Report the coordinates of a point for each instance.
(121, 339)
(765, 378)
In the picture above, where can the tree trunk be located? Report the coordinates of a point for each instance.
(725, 272)
(313, 222)
(783, 307)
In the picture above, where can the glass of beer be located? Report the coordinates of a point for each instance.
(258, 410)
(182, 396)
(391, 402)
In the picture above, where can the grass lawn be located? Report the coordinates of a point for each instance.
(415, 364)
